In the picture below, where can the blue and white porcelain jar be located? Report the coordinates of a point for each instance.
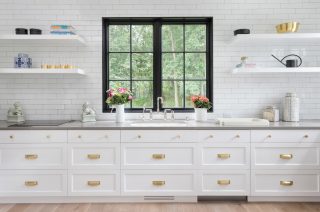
(22, 61)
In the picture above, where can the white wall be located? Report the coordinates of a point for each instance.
(58, 97)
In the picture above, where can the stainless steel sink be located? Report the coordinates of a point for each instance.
(159, 123)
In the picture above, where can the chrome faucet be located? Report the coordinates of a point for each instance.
(159, 101)
(166, 111)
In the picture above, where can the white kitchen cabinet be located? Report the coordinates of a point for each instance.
(94, 156)
(284, 136)
(224, 156)
(159, 136)
(92, 136)
(224, 182)
(94, 183)
(29, 183)
(159, 163)
(32, 136)
(285, 155)
(158, 182)
(33, 156)
(285, 183)
(224, 136)
(159, 156)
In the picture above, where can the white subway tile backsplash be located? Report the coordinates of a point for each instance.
(61, 97)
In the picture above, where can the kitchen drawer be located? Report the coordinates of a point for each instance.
(158, 156)
(158, 183)
(32, 136)
(33, 156)
(224, 136)
(94, 156)
(33, 183)
(94, 136)
(285, 183)
(222, 156)
(94, 183)
(224, 182)
(285, 156)
(268, 136)
(159, 136)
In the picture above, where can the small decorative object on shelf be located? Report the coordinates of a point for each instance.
(291, 107)
(244, 63)
(88, 113)
(22, 61)
(21, 31)
(15, 114)
(241, 31)
(201, 107)
(271, 113)
(117, 98)
(288, 27)
(293, 63)
(62, 30)
(34, 31)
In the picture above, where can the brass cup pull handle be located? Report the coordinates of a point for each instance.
(158, 182)
(286, 156)
(93, 156)
(94, 183)
(223, 155)
(224, 182)
(31, 157)
(31, 183)
(158, 156)
(286, 182)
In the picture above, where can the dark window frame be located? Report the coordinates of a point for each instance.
(157, 55)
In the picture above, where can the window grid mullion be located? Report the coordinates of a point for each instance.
(131, 62)
(184, 65)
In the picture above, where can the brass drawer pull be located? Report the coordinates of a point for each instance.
(11, 137)
(286, 156)
(93, 183)
(286, 182)
(158, 182)
(158, 156)
(31, 157)
(224, 182)
(223, 156)
(93, 156)
(139, 136)
(31, 183)
(306, 136)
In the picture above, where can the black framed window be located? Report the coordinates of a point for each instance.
(168, 57)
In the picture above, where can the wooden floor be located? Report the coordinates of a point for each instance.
(161, 207)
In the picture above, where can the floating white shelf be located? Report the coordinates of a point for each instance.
(285, 38)
(41, 71)
(41, 39)
(276, 70)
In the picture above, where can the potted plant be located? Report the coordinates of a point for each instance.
(117, 98)
(201, 107)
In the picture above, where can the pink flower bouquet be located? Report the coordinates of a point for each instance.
(119, 96)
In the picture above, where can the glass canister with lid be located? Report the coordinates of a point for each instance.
(271, 113)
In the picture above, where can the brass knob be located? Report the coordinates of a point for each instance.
(79, 136)
(139, 136)
(11, 137)
(237, 136)
(210, 136)
(48, 136)
(269, 136)
(306, 136)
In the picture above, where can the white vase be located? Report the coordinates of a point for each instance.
(201, 114)
(120, 115)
